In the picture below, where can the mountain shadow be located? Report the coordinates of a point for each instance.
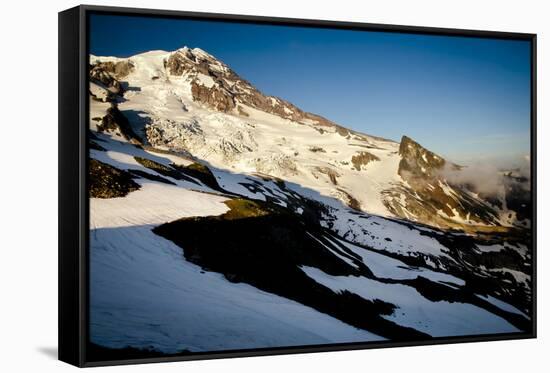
(264, 246)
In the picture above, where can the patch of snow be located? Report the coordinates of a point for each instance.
(502, 305)
(383, 266)
(437, 319)
(206, 80)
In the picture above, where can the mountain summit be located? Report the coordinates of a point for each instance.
(190, 102)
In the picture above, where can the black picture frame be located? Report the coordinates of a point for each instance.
(73, 194)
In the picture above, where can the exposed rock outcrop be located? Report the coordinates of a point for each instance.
(416, 161)
(362, 159)
(428, 197)
(215, 97)
(115, 121)
(228, 92)
(106, 181)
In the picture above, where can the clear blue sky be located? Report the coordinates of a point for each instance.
(464, 98)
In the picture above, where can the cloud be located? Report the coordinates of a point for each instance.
(482, 178)
(487, 178)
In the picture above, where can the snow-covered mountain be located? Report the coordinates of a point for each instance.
(295, 230)
(188, 101)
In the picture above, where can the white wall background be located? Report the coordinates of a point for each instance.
(28, 184)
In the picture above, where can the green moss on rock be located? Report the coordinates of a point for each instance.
(155, 166)
(244, 208)
(200, 172)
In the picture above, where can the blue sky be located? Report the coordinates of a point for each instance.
(465, 98)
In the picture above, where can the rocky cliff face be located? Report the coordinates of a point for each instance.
(109, 73)
(226, 91)
(429, 197)
(418, 162)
